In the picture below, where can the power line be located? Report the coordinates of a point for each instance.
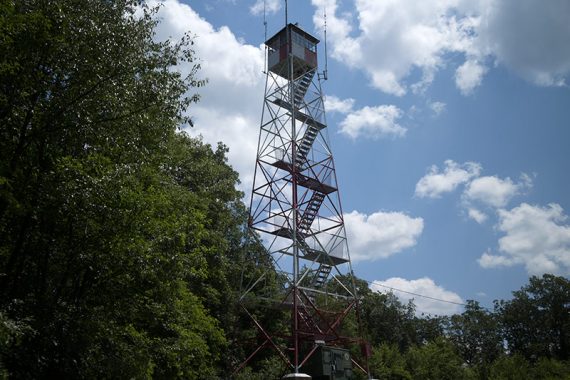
(416, 294)
(423, 295)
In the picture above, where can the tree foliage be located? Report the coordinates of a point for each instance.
(388, 362)
(436, 360)
(522, 338)
(536, 321)
(115, 229)
(477, 336)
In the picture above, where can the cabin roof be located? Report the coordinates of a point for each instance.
(296, 29)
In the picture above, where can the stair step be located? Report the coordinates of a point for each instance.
(311, 210)
(322, 274)
(302, 86)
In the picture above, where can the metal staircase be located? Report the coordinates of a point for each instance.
(322, 274)
(304, 246)
(311, 211)
(301, 86)
(306, 143)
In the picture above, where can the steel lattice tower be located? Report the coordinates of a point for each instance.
(296, 210)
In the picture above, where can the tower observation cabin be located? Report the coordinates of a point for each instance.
(303, 49)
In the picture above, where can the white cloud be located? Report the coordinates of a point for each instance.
(531, 37)
(488, 260)
(426, 287)
(477, 215)
(381, 234)
(435, 183)
(268, 6)
(229, 107)
(494, 191)
(392, 40)
(394, 37)
(468, 76)
(437, 107)
(535, 236)
(373, 122)
(334, 104)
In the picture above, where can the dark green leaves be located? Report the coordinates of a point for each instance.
(115, 229)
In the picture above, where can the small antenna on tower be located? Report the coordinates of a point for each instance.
(325, 73)
(264, 20)
(265, 40)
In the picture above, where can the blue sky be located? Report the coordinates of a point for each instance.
(449, 122)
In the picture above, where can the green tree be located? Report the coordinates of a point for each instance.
(536, 322)
(550, 369)
(436, 360)
(514, 367)
(387, 320)
(271, 367)
(477, 336)
(116, 231)
(428, 328)
(388, 363)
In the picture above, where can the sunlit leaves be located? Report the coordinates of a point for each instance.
(115, 229)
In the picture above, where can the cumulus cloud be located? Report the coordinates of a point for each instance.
(426, 287)
(488, 260)
(480, 192)
(416, 35)
(373, 122)
(435, 183)
(381, 234)
(468, 76)
(334, 104)
(269, 6)
(477, 215)
(538, 237)
(530, 37)
(437, 107)
(229, 107)
(494, 191)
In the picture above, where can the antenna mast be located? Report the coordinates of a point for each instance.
(325, 74)
(264, 20)
(326, 71)
(265, 38)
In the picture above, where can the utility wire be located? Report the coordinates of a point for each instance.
(416, 294)
(421, 295)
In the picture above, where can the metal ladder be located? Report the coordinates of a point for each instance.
(311, 211)
(303, 244)
(301, 86)
(306, 143)
(321, 275)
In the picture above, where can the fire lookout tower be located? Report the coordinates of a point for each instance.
(295, 209)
